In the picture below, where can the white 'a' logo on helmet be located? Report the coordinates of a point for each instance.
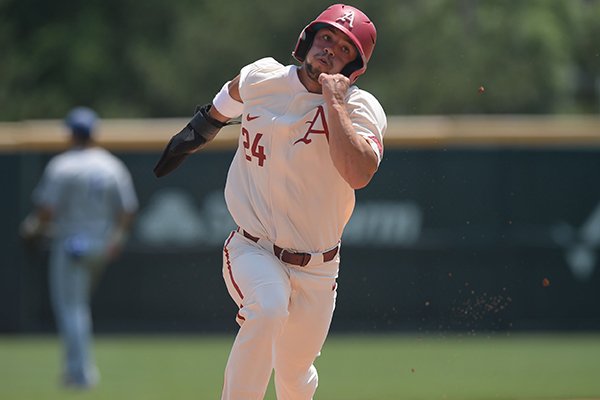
(348, 17)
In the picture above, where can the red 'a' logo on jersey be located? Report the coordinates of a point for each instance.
(319, 116)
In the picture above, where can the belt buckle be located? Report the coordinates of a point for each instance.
(281, 255)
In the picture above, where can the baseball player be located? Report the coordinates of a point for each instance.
(87, 195)
(309, 137)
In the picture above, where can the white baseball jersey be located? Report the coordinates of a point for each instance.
(282, 184)
(86, 188)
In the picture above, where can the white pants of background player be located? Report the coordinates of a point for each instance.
(70, 292)
(285, 313)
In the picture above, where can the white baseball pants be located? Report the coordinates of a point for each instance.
(70, 291)
(284, 317)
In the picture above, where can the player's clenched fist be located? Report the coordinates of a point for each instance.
(334, 86)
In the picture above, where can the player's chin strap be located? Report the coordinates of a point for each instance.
(197, 133)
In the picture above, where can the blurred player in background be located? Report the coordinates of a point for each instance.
(309, 138)
(86, 202)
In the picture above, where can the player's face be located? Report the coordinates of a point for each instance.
(330, 52)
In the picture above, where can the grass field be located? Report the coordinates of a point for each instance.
(383, 367)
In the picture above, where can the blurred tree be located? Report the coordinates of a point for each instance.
(588, 59)
(445, 50)
(157, 59)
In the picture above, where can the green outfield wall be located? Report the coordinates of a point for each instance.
(471, 224)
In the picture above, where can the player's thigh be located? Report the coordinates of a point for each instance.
(248, 267)
(69, 279)
(310, 313)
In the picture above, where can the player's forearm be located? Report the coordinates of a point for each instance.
(351, 154)
(204, 126)
(120, 234)
(125, 221)
(227, 104)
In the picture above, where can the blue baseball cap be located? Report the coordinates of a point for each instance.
(81, 121)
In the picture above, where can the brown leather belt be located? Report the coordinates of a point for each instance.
(288, 257)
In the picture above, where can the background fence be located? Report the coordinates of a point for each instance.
(472, 223)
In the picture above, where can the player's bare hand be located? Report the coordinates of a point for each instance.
(334, 86)
(113, 251)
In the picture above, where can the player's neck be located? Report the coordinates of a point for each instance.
(312, 85)
(80, 144)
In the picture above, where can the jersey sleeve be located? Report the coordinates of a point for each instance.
(255, 73)
(48, 190)
(368, 119)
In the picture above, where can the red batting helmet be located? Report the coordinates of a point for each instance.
(355, 24)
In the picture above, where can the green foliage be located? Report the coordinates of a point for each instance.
(158, 59)
(588, 57)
